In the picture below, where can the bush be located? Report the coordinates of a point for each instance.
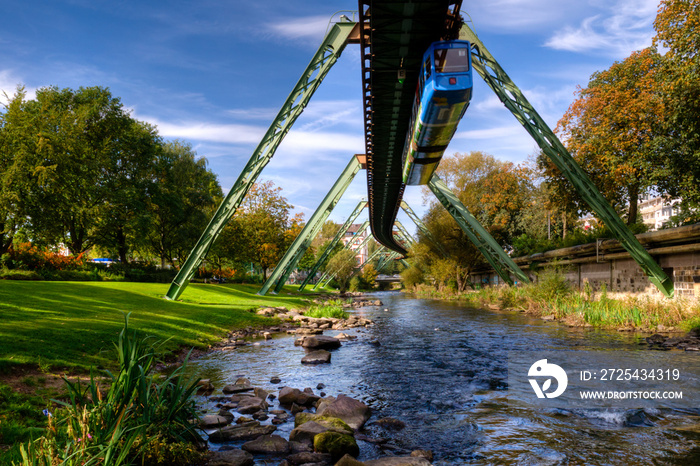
(25, 256)
(551, 284)
(411, 277)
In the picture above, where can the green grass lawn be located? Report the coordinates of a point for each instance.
(72, 325)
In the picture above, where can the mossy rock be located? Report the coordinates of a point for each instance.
(336, 444)
(331, 423)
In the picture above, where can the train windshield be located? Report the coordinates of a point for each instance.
(452, 60)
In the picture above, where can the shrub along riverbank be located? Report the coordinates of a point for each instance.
(52, 328)
(553, 298)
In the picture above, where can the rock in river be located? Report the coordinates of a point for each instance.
(353, 412)
(212, 420)
(251, 405)
(399, 461)
(317, 357)
(248, 431)
(267, 445)
(231, 458)
(320, 342)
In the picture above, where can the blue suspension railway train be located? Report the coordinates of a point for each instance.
(442, 96)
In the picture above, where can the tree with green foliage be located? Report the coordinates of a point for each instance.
(264, 227)
(182, 199)
(16, 147)
(124, 221)
(343, 265)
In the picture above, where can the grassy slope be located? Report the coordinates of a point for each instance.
(73, 324)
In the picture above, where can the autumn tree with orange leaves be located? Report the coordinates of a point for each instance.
(611, 129)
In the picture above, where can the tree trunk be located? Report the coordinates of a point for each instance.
(122, 247)
(634, 201)
(563, 220)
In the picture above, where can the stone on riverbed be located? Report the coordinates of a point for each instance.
(317, 357)
(306, 432)
(330, 423)
(320, 342)
(307, 457)
(399, 461)
(248, 431)
(348, 460)
(336, 444)
(353, 412)
(241, 385)
(213, 420)
(231, 458)
(251, 405)
(289, 395)
(267, 445)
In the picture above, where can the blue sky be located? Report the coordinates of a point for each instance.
(214, 73)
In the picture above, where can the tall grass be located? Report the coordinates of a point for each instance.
(552, 295)
(330, 309)
(140, 418)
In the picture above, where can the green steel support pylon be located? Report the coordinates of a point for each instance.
(421, 226)
(492, 251)
(404, 233)
(488, 68)
(326, 56)
(369, 259)
(302, 242)
(327, 252)
(326, 276)
(386, 259)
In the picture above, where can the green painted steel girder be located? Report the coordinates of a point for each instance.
(302, 242)
(421, 226)
(336, 239)
(322, 61)
(328, 277)
(380, 250)
(405, 234)
(488, 68)
(492, 251)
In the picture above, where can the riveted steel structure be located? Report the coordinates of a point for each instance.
(393, 36)
(326, 277)
(488, 68)
(322, 61)
(336, 239)
(301, 243)
(477, 234)
(421, 226)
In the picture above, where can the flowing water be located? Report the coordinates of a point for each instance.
(442, 369)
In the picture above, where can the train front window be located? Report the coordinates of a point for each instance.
(452, 60)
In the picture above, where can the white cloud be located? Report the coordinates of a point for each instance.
(210, 132)
(8, 86)
(301, 28)
(619, 29)
(517, 16)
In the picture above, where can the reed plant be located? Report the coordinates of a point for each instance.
(122, 418)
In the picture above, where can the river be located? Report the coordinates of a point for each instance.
(441, 368)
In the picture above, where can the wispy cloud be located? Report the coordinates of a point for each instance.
(517, 16)
(306, 27)
(622, 27)
(8, 86)
(210, 132)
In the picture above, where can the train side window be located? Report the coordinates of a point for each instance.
(455, 60)
(426, 68)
